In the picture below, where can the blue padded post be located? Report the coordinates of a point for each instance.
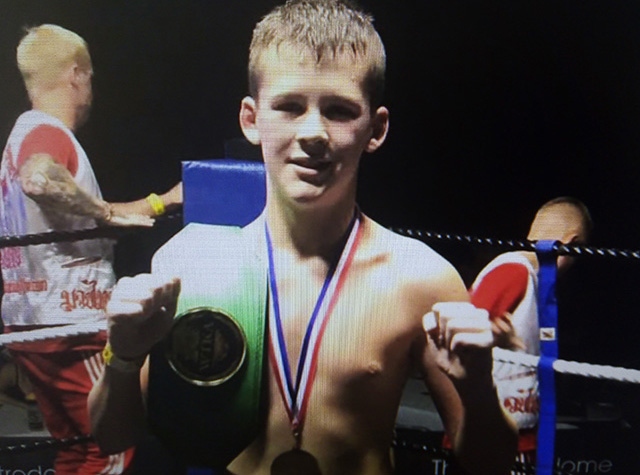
(223, 191)
(548, 319)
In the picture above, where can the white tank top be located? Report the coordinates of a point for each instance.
(59, 283)
(518, 385)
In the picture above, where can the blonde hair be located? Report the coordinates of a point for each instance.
(46, 51)
(321, 29)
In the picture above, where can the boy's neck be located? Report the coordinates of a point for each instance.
(309, 232)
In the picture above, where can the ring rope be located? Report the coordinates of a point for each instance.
(612, 373)
(53, 332)
(79, 234)
(560, 366)
(522, 245)
(45, 444)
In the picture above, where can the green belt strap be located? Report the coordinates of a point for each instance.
(209, 426)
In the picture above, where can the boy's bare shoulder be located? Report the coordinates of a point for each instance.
(414, 261)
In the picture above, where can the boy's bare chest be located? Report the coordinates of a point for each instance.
(358, 322)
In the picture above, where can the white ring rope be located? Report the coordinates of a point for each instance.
(53, 332)
(564, 367)
(570, 367)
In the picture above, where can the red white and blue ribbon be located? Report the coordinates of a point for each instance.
(295, 394)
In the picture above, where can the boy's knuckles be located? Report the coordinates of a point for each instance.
(448, 312)
(429, 322)
(468, 340)
(116, 308)
(453, 308)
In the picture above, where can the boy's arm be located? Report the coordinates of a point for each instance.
(116, 409)
(140, 314)
(456, 361)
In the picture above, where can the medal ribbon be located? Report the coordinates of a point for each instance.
(296, 396)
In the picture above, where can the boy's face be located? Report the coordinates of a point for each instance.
(313, 122)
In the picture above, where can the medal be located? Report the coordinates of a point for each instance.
(295, 462)
(295, 394)
(206, 346)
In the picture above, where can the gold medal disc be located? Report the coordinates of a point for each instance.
(206, 346)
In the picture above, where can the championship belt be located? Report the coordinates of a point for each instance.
(205, 378)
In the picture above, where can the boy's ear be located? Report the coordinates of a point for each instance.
(247, 117)
(379, 130)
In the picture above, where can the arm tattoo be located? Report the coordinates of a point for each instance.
(51, 186)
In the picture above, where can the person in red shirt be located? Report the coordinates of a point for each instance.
(47, 184)
(507, 289)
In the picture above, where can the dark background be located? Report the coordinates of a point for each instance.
(496, 107)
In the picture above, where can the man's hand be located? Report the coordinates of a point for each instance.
(462, 338)
(140, 313)
(505, 335)
(130, 220)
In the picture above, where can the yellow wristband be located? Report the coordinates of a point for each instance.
(125, 366)
(156, 204)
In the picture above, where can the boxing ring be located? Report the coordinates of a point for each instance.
(231, 192)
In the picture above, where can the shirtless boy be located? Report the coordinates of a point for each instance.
(316, 70)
